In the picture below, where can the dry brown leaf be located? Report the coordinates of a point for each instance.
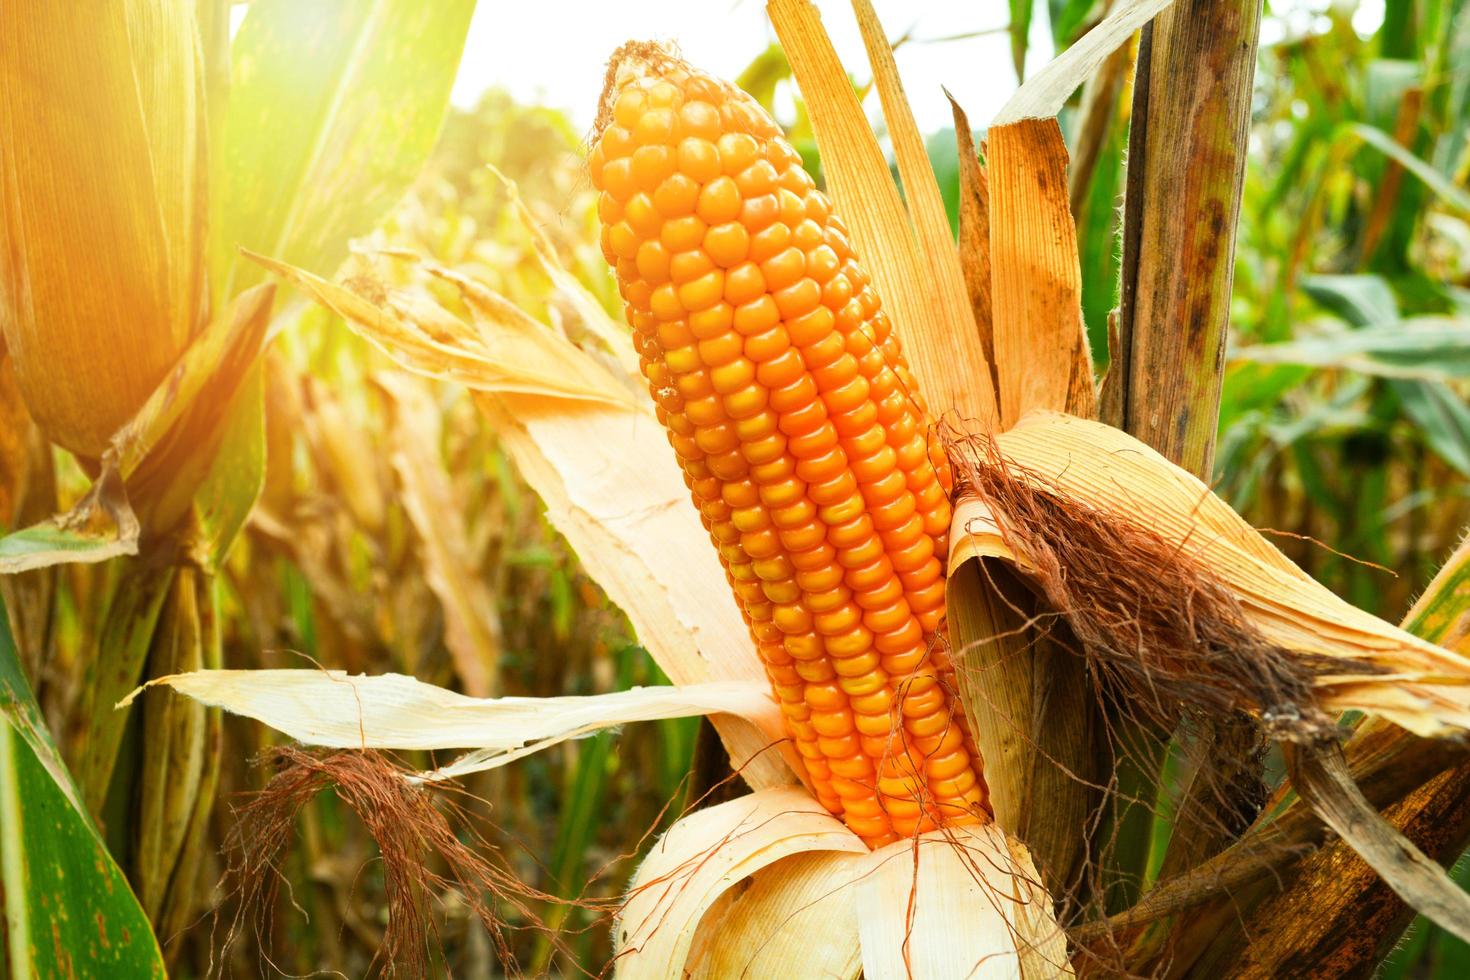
(1041, 353)
(974, 240)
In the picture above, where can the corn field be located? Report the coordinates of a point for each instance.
(732, 526)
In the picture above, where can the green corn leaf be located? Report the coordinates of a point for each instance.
(68, 909)
(1428, 348)
(334, 106)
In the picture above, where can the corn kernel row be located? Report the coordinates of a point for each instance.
(801, 437)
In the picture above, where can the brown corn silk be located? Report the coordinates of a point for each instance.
(800, 433)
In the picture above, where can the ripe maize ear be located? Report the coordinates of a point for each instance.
(102, 207)
(801, 436)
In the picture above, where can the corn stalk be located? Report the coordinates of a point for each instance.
(1186, 157)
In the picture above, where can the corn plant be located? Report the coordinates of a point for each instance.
(966, 614)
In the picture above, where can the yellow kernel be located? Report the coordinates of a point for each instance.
(768, 241)
(664, 303)
(719, 201)
(713, 321)
(757, 213)
(727, 244)
(688, 266)
(662, 94)
(653, 262)
(781, 593)
(744, 284)
(629, 107)
(675, 197)
(702, 293)
(737, 151)
(674, 334)
(783, 269)
(654, 126)
(798, 299)
(617, 178)
(721, 349)
(639, 213)
(756, 425)
(683, 359)
(765, 452)
(793, 208)
(651, 165)
(749, 518)
(682, 234)
(807, 234)
(699, 119)
(698, 160)
(704, 411)
(810, 327)
(758, 178)
(746, 402)
(792, 619)
(822, 265)
(623, 240)
(716, 439)
(757, 315)
(728, 378)
(767, 344)
(833, 724)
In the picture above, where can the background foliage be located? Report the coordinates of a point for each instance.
(393, 535)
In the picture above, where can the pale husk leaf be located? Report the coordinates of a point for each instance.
(334, 709)
(957, 902)
(597, 321)
(798, 917)
(1048, 90)
(941, 343)
(102, 206)
(611, 485)
(700, 859)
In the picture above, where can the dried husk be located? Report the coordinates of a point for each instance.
(1112, 503)
(923, 290)
(102, 205)
(771, 885)
(334, 709)
(594, 452)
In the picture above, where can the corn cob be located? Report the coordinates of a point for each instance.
(800, 433)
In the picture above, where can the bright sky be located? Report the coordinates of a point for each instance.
(552, 52)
